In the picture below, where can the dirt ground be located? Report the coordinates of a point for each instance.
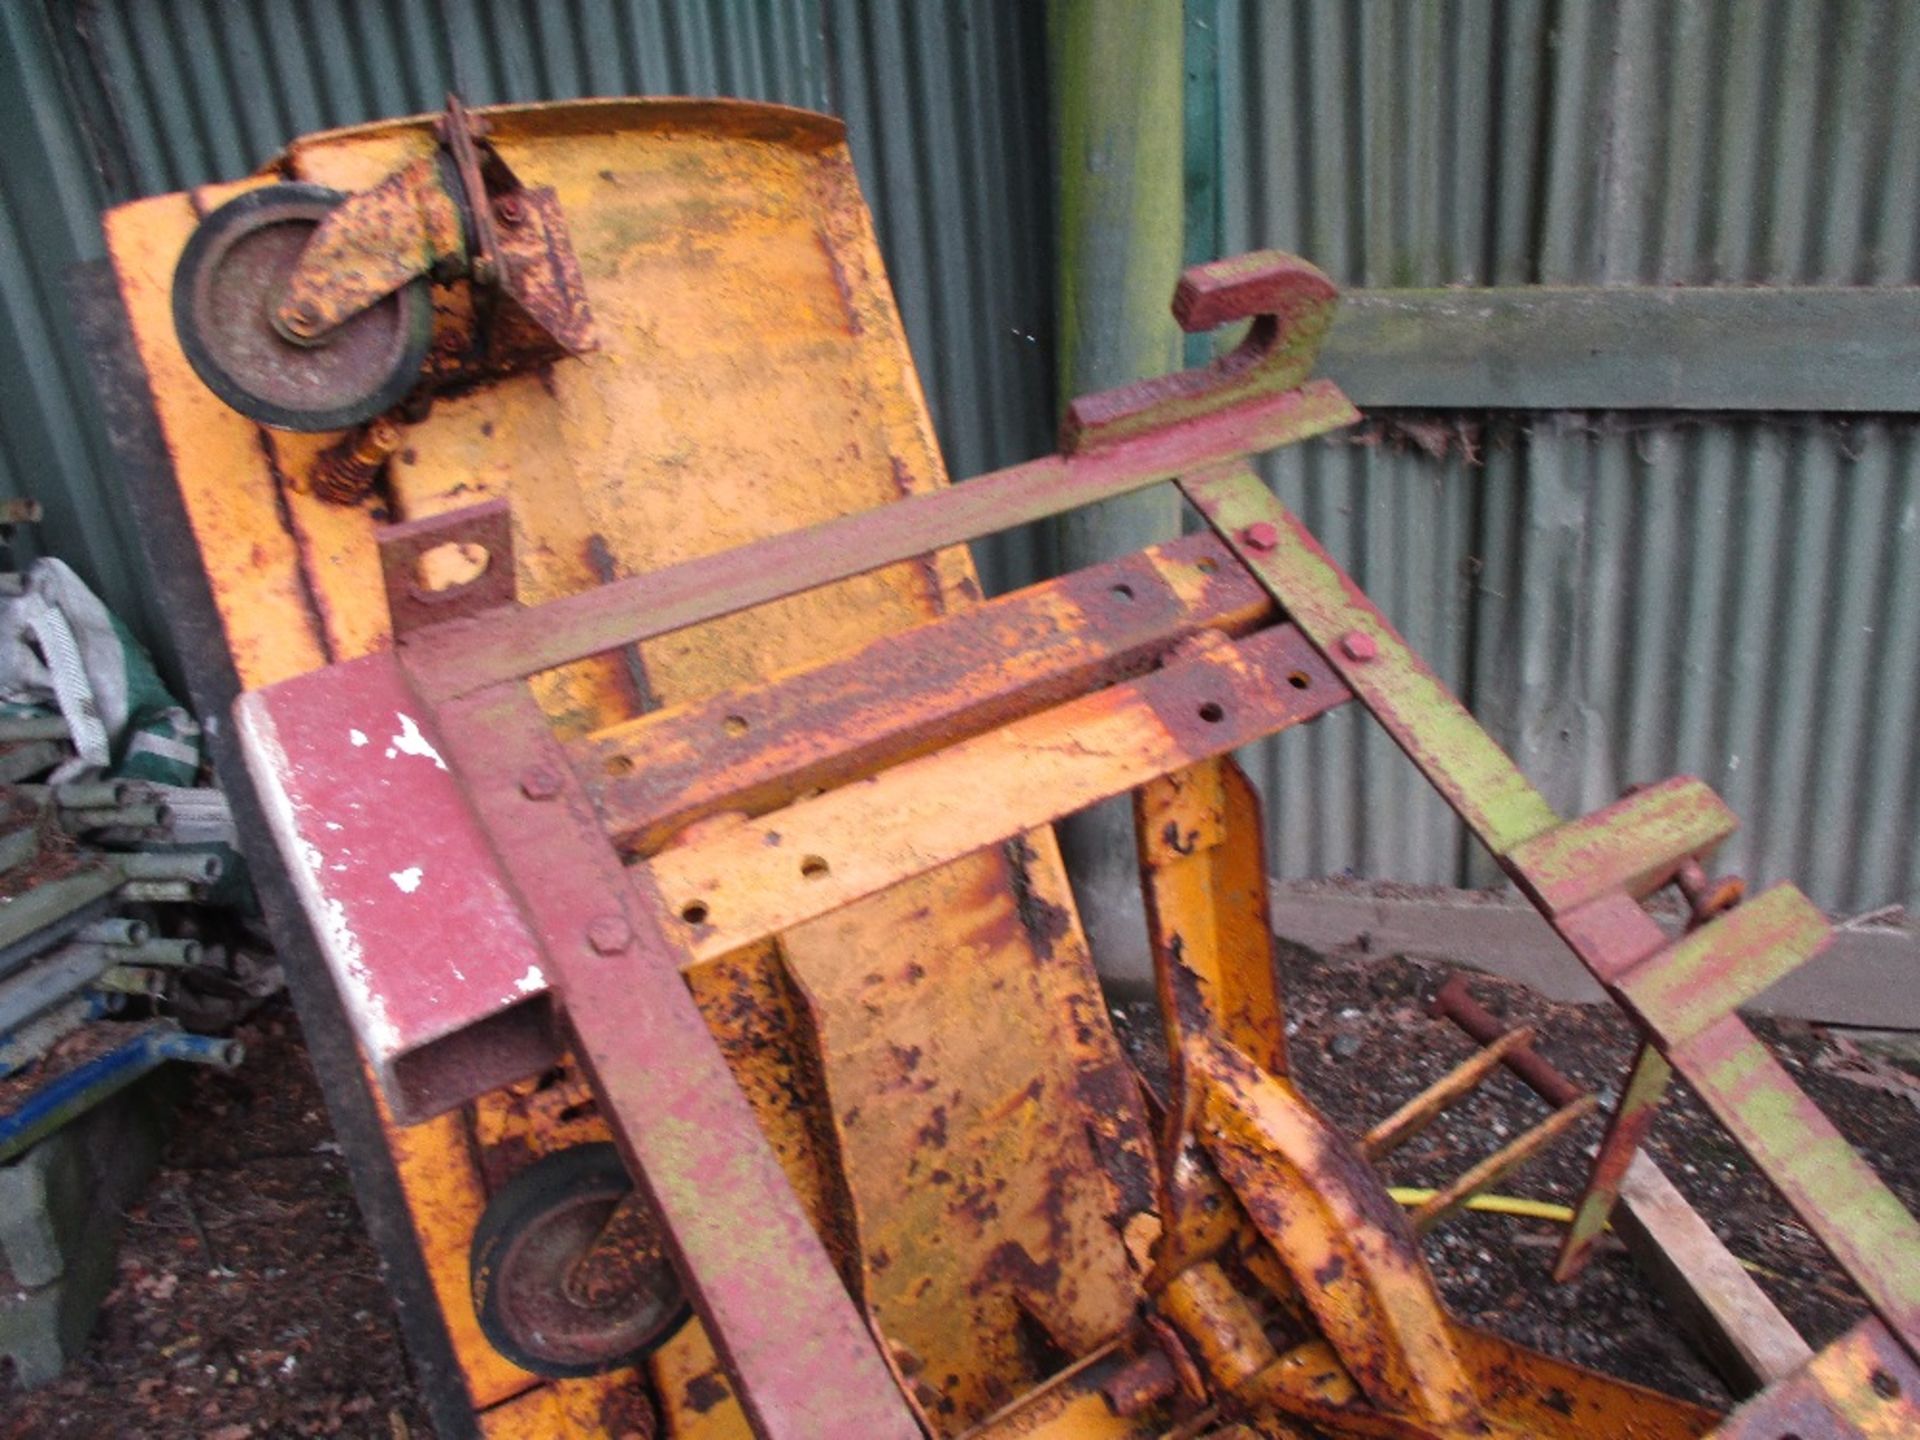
(249, 1302)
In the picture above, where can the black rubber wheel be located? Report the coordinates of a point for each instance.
(533, 1234)
(230, 278)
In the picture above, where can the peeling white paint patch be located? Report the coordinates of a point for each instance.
(333, 824)
(411, 742)
(358, 737)
(531, 981)
(408, 879)
(267, 762)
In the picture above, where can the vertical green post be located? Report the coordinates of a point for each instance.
(1117, 71)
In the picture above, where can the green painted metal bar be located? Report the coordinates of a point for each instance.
(1697, 348)
(1635, 844)
(1724, 964)
(1627, 1129)
(1472, 773)
(1836, 1193)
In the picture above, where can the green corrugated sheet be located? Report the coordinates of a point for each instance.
(1623, 596)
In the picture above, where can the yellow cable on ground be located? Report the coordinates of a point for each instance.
(1412, 1197)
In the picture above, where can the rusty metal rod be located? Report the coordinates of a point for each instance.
(1423, 1109)
(1454, 1002)
(1740, 1331)
(1503, 1161)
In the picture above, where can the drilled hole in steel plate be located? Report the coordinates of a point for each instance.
(1299, 680)
(1206, 565)
(1212, 712)
(813, 867)
(1885, 1386)
(619, 765)
(1125, 592)
(694, 912)
(450, 565)
(735, 725)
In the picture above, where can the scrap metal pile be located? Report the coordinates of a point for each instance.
(672, 820)
(98, 959)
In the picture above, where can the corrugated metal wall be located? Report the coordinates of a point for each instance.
(1623, 597)
(106, 100)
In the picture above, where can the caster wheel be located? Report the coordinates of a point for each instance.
(231, 277)
(569, 1269)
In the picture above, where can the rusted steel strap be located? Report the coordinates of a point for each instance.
(801, 1357)
(1635, 845)
(462, 657)
(757, 746)
(1461, 760)
(1863, 1384)
(760, 877)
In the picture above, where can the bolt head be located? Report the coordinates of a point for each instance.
(609, 935)
(540, 782)
(1358, 645)
(510, 210)
(302, 319)
(1261, 535)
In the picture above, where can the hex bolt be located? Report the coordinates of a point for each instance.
(1261, 536)
(1358, 645)
(509, 209)
(540, 782)
(609, 935)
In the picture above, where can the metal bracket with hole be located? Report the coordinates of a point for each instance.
(486, 528)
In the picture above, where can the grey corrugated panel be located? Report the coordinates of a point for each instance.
(946, 107)
(947, 111)
(1633, 596)
(49, 429)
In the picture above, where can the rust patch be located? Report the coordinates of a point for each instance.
(1046, 922)
(1010, 1264)
(840, 285)
(706, 1391)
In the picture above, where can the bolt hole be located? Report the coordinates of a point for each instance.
(1299, 680)
(449, 566)
(619, 765)
(813, 867)
(734, 725)
(1206, 565)
(694, 912)
(1212, 713)
(1885, 1386)
(1125, 592)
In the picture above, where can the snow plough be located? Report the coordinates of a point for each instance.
(659, 822)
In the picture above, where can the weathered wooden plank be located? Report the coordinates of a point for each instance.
(1629, 348)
